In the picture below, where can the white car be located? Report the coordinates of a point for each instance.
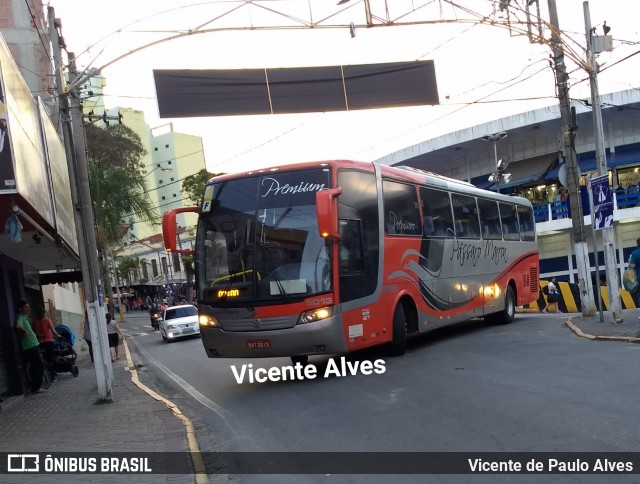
(178, 322)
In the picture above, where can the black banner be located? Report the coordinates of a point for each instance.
(322, 463)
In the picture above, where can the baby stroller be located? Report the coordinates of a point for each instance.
(65, 356)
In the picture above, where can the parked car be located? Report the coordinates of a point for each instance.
(178, 322)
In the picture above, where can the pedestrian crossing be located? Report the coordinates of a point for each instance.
(137, 330)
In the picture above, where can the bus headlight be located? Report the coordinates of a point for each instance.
(316, 314)
(209, 321)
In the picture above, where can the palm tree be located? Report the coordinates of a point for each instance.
(117, 186)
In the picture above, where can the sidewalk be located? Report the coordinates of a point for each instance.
(66, 418)
(607, 330)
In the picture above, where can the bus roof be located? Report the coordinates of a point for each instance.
(403, 173)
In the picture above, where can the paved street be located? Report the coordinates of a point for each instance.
(530, 386)
(527, 387)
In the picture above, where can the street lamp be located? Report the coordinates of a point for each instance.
(164, 168)
(501, 165)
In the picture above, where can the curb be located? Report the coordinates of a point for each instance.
(582, 334)
(194, 449)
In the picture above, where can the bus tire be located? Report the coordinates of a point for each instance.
(398, 344)
(302, 359)
(507, 315)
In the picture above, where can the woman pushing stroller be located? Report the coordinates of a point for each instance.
(46, 333)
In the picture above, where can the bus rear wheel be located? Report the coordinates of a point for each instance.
(398, 344)
(507, 315)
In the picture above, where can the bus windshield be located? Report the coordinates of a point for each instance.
(259, 241)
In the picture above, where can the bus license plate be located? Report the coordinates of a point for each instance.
(256, 344)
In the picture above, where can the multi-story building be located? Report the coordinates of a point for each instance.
(40, 247)
(24, 29)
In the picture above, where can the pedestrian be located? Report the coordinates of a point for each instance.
(634, 263)
(553, 295)
(30, 347)
(45, 332)
(86, 334)
(114, 334)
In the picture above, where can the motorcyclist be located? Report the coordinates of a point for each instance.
(153, 311)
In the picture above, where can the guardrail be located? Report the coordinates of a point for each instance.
(559, 209)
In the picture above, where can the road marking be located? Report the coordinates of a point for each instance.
(136, 334)
(196, 456)
(226, 416)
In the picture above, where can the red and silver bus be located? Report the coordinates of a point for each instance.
(331, 257)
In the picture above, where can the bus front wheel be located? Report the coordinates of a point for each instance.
(507, 315)
(399, 332)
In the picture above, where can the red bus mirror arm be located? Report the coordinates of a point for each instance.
(169, 229)
(327, 212)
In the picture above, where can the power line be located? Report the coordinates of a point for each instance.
(34, 19)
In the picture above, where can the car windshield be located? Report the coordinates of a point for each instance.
(260, 240)
(175, 313)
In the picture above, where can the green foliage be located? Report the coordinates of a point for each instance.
(127, 264)
(193, 185)
(116, 180)
(116, 144)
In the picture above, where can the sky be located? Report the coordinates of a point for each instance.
(484, 71)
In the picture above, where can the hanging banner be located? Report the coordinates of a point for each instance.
(602, 202)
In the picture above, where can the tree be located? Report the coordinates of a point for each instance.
(187, 261)
(116, 178)
(193, 185)
(127, 265)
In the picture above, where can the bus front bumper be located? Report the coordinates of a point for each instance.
(317, 338)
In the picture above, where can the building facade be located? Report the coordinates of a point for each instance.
(39, 244)
(533, 146)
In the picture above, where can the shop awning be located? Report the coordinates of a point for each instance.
(524, 172)
(62, 277)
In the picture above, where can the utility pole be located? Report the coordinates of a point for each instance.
(581, 250)
(77, 164)
(607, 234)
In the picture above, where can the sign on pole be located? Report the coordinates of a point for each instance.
(602, 202)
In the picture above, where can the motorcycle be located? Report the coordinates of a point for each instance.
(155, 320)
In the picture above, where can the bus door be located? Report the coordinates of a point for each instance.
(358, 256)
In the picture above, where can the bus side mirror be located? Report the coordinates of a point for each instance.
(169, 229)
(327, 212)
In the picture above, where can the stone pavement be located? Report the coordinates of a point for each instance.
(592, 328)
(66, 418)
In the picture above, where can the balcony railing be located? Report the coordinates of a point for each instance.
(546, 211)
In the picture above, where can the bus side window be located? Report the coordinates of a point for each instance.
(509, 217)
(466, 216)
(525, 218)
(436, 207)
(489, 219)
(402, 216)
(350, 255)
(428, 228)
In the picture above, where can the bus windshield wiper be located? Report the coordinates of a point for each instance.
(265, 253)
(234, 271)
